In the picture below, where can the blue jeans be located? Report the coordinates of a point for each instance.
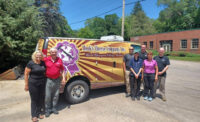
(52, 94)
(149, 84)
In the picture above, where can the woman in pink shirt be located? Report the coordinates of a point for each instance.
(150, 75)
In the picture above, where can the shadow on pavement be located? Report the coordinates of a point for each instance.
(106, 91)
(96, 93)
(62, 103)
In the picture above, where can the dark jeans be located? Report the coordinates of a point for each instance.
(37, 94)
(135, 86)
(149, 84)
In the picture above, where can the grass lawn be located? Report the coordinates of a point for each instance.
(196, 59)
(184, 56)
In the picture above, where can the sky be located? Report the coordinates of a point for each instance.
(78, 10)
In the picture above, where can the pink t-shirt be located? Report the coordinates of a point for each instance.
(149, 67)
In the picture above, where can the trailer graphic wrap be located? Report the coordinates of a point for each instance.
(99, 61)
(69, 55)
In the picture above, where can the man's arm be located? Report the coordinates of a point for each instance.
(165, 69)
(63, 77)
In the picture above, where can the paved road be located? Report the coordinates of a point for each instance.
(110, 104)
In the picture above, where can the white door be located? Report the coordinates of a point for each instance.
(167, 47)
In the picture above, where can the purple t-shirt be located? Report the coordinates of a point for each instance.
(149, 67)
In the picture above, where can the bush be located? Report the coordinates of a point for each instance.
(182, 54)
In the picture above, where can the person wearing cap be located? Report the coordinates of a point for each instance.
(135, 75)
(126, 68)
(163, 65)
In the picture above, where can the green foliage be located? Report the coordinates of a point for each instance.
(155, 52)
(97, 27)
(85, 33)
(178, 15)
(180, 55)
(137, 8)
(20, 28)
(112, 24)
(139, 23)
(55, 23)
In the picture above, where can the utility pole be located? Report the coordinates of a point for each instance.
(122, 30)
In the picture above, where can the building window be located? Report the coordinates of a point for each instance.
(195, 43)
(183, 43)
(145, 43)
(151, 44)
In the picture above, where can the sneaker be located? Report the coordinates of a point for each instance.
(138, 98)
(145, 98)
(55, 111)
(34, 119)
(41, 116)
(47, 114)
(150, 99)
(133, 98)
(127, 95)
(164, 98)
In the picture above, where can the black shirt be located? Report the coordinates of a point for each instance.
(143, 56)
(162, 63)
(127, 59)
(37, 71)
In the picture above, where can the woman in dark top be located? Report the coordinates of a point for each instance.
(35, 83)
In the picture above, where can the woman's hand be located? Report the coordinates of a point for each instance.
(156, 78)
(136, 76)
(26, 88)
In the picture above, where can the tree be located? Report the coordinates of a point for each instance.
(98, 26)
(112, 24)
(20, 27)
(55, 23)
(178, 15)
(139, 23)
(137, 8)
(85, 33)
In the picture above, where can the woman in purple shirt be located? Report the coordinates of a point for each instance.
(150, 75)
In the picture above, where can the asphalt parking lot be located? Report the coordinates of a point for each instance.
(110, 104)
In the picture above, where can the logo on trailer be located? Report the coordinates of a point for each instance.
(69, 55)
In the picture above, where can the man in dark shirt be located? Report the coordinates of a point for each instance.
(143, 56)
(135, 75)
(126, 68)
(143, 52)
(163, 64)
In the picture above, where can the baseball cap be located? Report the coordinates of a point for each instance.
(136, 51)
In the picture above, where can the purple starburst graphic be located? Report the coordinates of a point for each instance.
(69, 55)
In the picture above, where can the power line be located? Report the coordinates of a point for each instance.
(127, 4)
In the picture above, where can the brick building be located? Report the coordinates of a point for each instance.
(187, 40)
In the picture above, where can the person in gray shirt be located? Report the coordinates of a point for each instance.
(126, 68)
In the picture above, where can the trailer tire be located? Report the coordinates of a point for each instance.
(77, 91)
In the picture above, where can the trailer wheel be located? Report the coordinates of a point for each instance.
(77, 91)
